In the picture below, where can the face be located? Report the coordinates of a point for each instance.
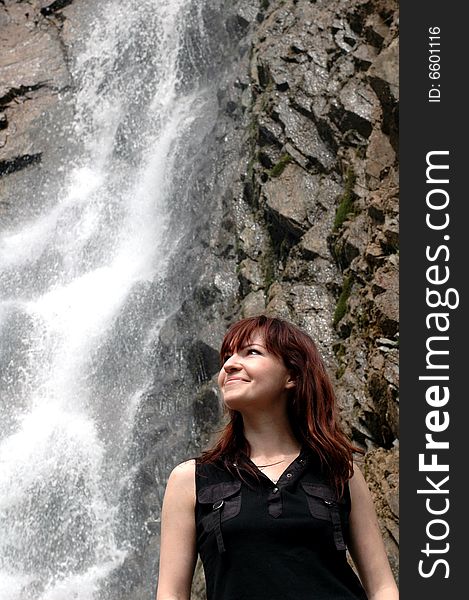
(252, 377)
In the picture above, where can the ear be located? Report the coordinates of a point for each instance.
(290, 383)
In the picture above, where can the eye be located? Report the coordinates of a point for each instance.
(253, 351)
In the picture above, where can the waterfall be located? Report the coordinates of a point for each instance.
(81, 304)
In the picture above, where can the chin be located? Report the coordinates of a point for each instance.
(233, 403)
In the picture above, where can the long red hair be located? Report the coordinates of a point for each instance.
(312, 405)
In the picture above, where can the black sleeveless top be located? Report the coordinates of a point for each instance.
(263, 541)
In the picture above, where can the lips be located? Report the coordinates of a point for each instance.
(229, 380)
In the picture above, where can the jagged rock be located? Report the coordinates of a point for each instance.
(353, 241)
(385, 278)
(393, 530)
(374, 254)
(30, 60)
(312, 271)
(247, 12)
(296, 155)
(376, 30)
(386, 312)
(252, 240)
(290, 196)
(384, 73)
(315, 80)
(20, 147)
(277, 303)
(391, 232)
(303, 134)
(380, 156)
(298, 200)
(381, 468)
(354, 113)
(32, 72)
(361, 107)
(314, 243)
(344, 37)
(253, 304)
(49, 6)
(269, 156)
(270, 132)
(383, 79)
(316, 314)
(383, 202)
(251, 272)
(281, 76)
(365, 54)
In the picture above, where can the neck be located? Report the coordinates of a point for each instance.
(270, 438)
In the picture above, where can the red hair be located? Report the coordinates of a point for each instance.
(312, 405)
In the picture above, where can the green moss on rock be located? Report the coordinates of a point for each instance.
(346, 202)
(341, 307)
(279, 167)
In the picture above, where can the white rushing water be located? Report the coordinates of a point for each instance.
(75, 324)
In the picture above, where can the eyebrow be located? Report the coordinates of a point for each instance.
(254, 344)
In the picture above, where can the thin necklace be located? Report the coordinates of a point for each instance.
(271, 464)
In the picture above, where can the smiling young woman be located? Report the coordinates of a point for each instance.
(254, 379)
(274, 505)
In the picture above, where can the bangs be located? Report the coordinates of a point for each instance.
(242, 333)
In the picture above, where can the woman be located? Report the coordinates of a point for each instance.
(273, 505)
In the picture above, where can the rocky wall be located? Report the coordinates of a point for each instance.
(316, 226)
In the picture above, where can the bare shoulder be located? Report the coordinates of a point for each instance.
(357, 480)
(181, 480)
(184, 470)
(366, 544)
(359, 490)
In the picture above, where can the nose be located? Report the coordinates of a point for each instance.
(232, 364)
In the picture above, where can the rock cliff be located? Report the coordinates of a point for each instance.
(315, 226)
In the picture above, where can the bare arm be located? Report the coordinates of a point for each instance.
(366, 544)
(178, 546)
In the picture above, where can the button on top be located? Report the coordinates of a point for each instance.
(275, 490)
(289, 474)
